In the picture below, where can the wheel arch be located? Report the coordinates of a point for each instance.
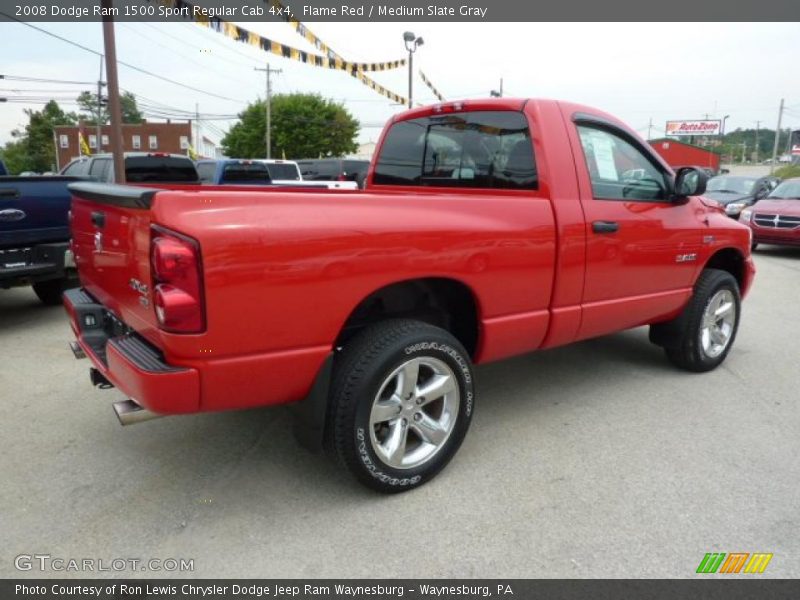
(445, 302)
(728, 259)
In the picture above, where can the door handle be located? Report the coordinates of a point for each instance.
(9, 193)
(99, 219)
(605, 226)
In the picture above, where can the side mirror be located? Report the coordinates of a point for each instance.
(690, 181)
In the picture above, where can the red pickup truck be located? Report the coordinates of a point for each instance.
(487, 229)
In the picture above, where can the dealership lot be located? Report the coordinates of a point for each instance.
(595, 460)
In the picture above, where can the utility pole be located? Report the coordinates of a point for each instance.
(744, 152)
(268, 107)
(649, 128)
(777, 138)
(758, 126)
(113, 92)
(100, 123)
(197, 128)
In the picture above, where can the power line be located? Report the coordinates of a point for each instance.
(130, 66)
(174, 51)
(40, 80)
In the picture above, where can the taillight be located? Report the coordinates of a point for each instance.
(176, 271)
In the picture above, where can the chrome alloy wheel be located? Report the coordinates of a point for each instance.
(414, 412)
(719, 320)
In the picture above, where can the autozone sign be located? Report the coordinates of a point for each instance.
(694, 127)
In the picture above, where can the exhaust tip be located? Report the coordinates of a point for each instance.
(77, 351)
(99, 380)
(129, 413)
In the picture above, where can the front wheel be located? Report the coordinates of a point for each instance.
(710, 322)
(402, 401)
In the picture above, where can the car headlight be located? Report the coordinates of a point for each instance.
(746, 214)
(734, 208)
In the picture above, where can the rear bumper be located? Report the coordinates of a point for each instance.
(30, 264)
(135, 367)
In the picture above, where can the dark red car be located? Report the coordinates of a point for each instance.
(776, 219)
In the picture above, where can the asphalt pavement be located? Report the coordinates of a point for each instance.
(593, 460)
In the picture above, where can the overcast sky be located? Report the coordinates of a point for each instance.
(636, 71)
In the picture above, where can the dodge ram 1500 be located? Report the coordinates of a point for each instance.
(488, 228)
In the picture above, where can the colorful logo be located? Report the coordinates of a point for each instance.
(714, 562)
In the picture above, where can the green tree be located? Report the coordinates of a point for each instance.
(33, 149)
(303, 126)
(90, 111)
(15, 156)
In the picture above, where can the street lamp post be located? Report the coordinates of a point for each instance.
(412, 43)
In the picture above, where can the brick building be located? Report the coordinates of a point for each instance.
(173, 138)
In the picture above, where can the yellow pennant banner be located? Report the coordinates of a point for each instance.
(427, 82)
(240, 34)
(331, 54)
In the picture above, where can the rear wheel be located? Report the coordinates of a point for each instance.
(402, 401)
(708, 324)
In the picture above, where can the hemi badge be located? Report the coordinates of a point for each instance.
(682, 258)
(708, 239)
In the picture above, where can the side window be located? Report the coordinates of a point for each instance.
(486, 149)
(619, 170)
(206, 172)
(77, 168)
(71, 168)
(99, 169)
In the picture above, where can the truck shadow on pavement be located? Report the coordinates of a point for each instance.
(242, 452)
(20, 307)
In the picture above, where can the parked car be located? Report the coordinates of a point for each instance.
(34, 240)
(736, 193)
(283, 170)
(140, 167)
(34, 235)
(776, 219)
(334, 169)
(233, 171)
(367, 309)
(256, 172)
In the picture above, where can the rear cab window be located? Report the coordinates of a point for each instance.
(479, 149)
(283, 171)
(245, 172)
(155, 169)
(206, 171)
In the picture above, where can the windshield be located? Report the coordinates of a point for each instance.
(786, 190)
(285, 171)
(736, 185)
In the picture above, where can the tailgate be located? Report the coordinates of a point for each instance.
(111, 243)
(33, 210)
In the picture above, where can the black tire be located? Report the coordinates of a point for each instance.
(364, 369)
(50, 291)
(753, 246)
(688, 351)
